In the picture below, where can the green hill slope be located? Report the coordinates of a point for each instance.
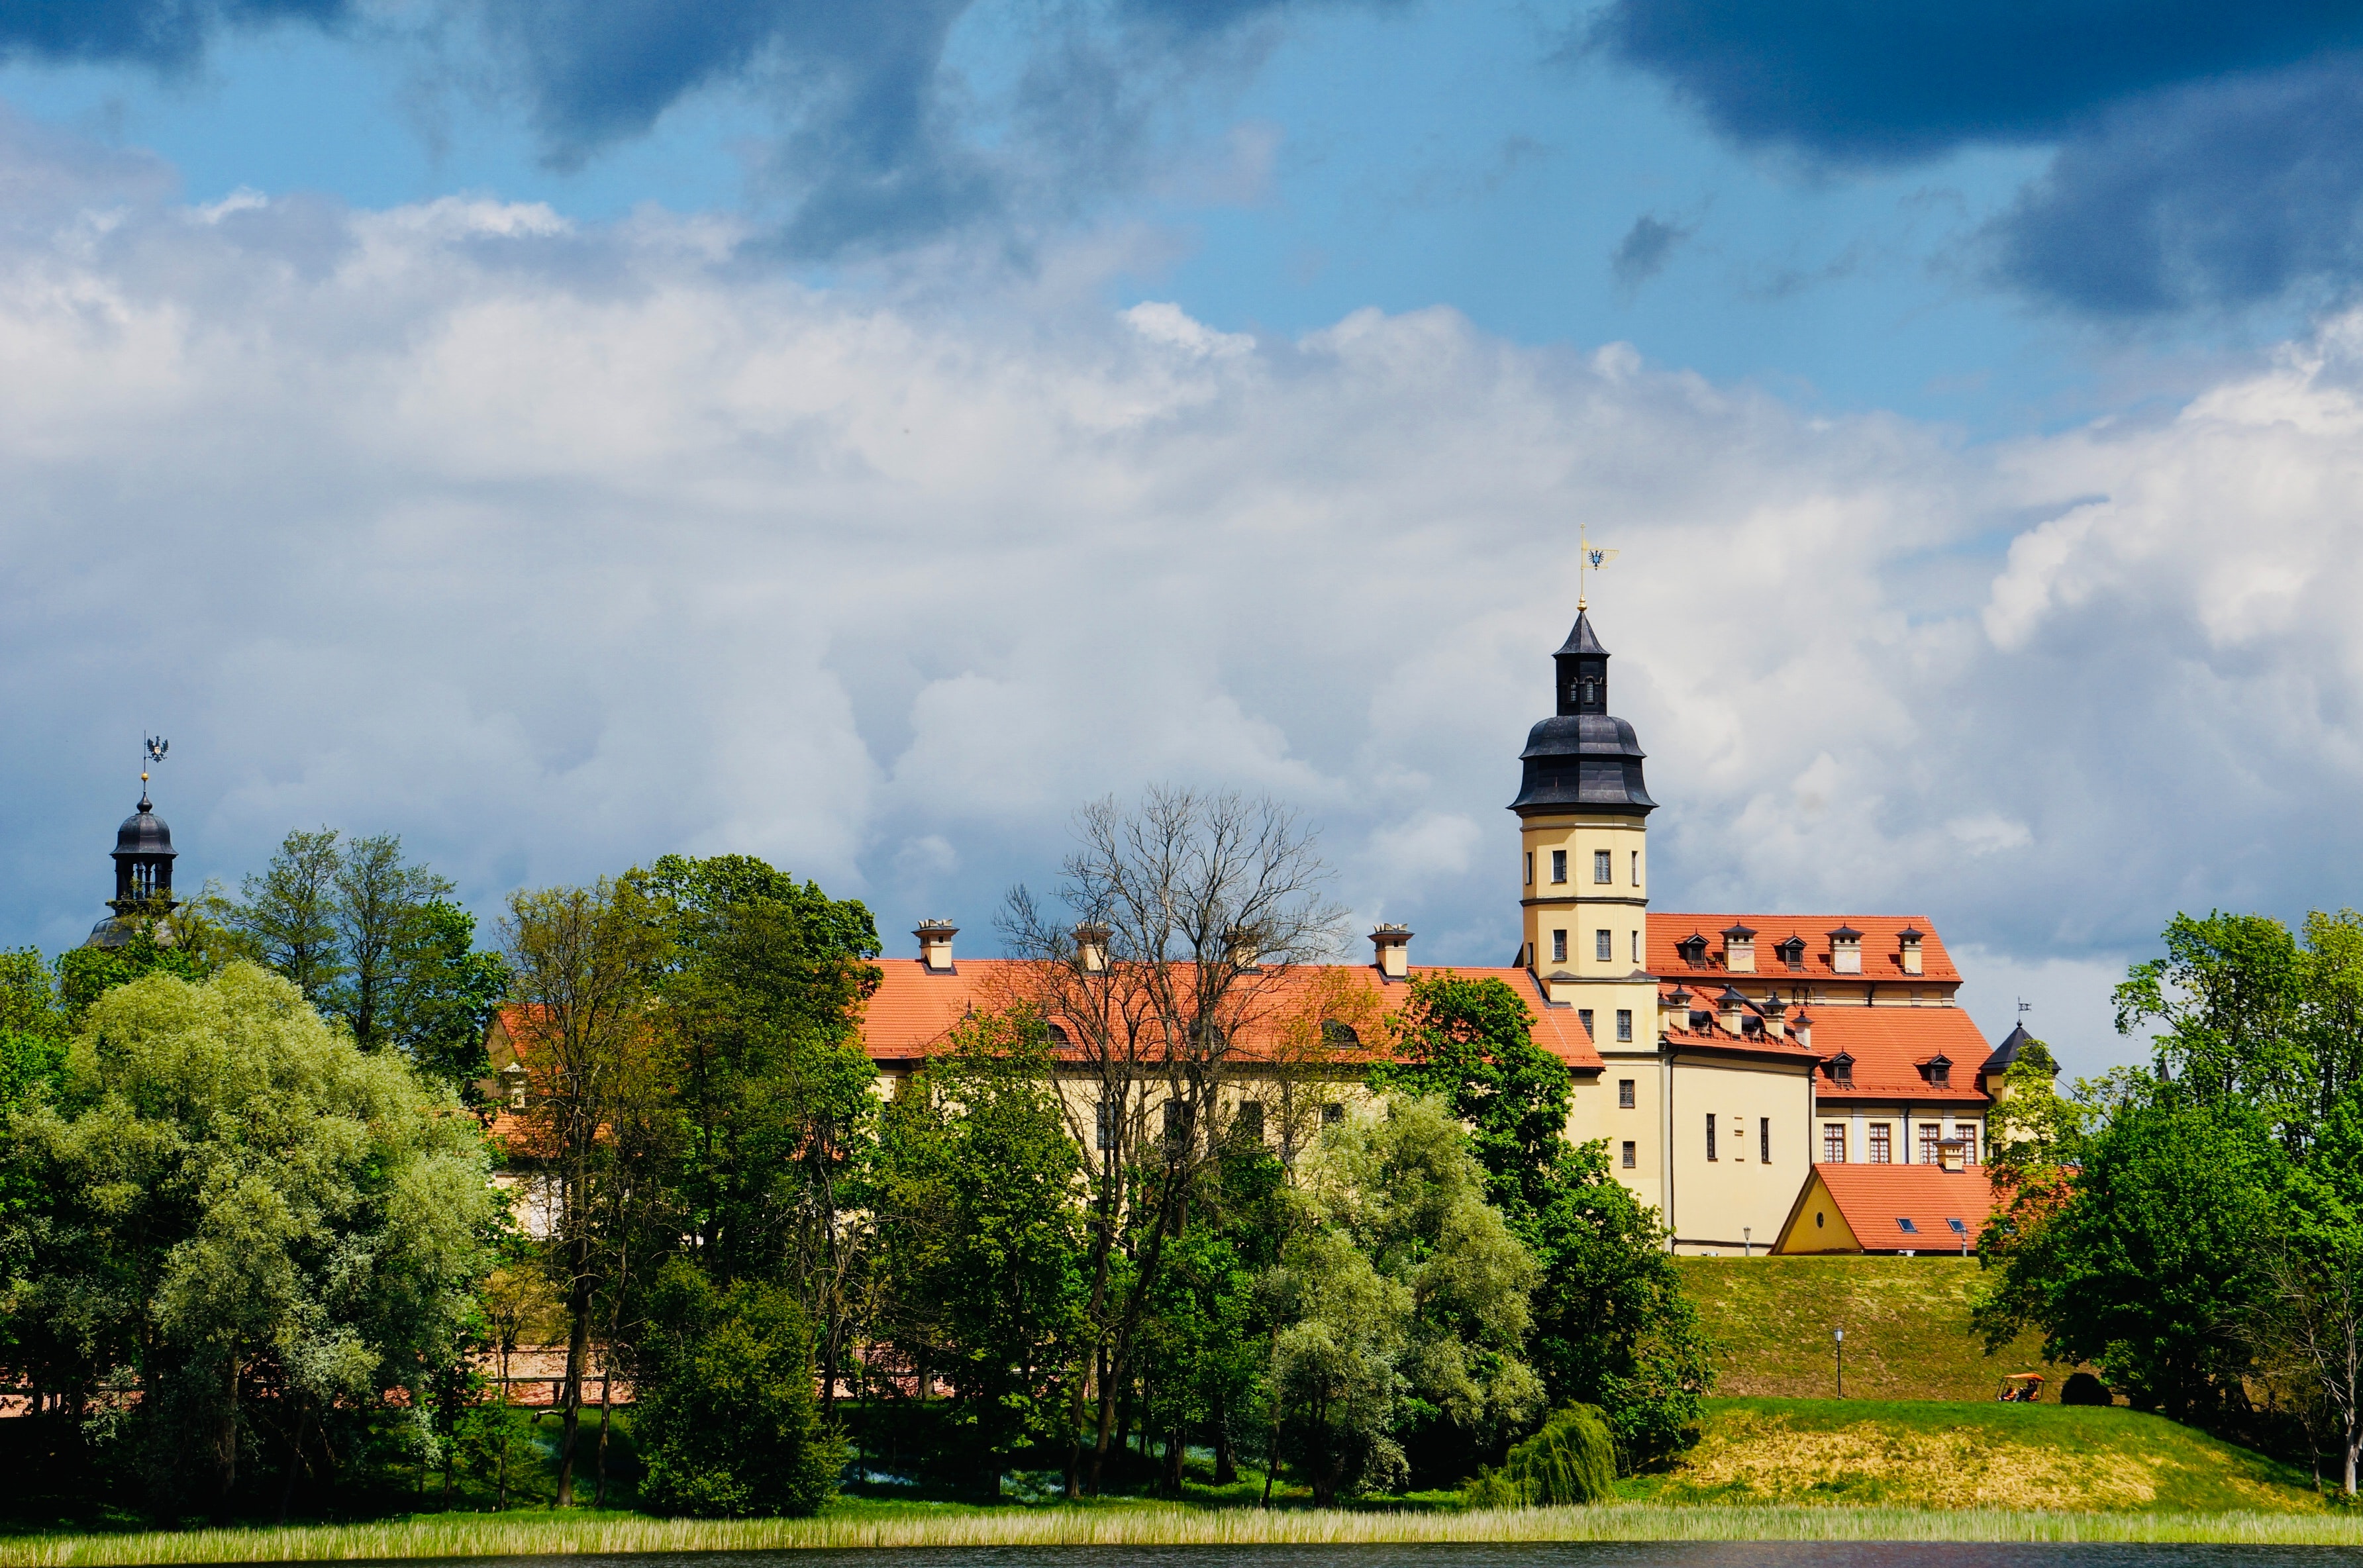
(1930, 1455)
(1907, 1323)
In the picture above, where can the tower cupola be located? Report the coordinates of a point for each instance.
(143, 871)
(1581, 758)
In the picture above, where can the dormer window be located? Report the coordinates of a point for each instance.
(1337, 1032)
(1058, 1034)
(1846, 950)
(1841, 1070)
(1793, 953)
(1940, 1070)
(1693, 949)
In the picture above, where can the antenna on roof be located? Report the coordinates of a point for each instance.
(1588, 557)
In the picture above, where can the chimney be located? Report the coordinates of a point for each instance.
(1948, 1154)
(1775, 1010)
(1245, 945)
(1846, 951)
(1678, 1008)
(1739, 950)
(1393, 946)
(936, 945)
(1909, 938)
(1803, 1028)
(1734, 1007)
(1091, 946)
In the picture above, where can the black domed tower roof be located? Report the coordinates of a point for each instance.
(1581, 758)
(143, 833)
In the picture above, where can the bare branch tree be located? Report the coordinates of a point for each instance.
(2310, 1335)
(1183, 917)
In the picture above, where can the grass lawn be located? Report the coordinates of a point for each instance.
(1907, 1323)
(1930, 1454)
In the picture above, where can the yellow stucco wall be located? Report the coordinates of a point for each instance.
(1817, 1226)
(1737, 1200)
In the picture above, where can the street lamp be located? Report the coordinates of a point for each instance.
(1838, 1335)
(1747, 1243)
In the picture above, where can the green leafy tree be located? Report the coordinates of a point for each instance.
(727, 1421)
(2310, 1332)
(377, 902)
(2146, 1264)
(1407, 1193)
(264, 1225)
(975, 1168)
(1613, 1325)
(1572, 1460)
(444, 995)
(288, 913)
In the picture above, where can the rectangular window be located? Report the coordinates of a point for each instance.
(1624, 1094)
(1833, 1142)
(1968, 1133)
(1929, 1134)
(1600, 871)
(1332, 1114)
(1558, 864)
(1623, 1023)
(1530, 867)
(1631, 1154)
(1250, 1120)
(1636, 867)
(1764, 1140)
(1604, 945)
(1559, 947)
(1879, 1153)
(1108, 1116)
(1709, 1135)
(1584, 1016)
(1636, 950)
(1177, 1122)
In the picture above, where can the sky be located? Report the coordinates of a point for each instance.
(567, 431)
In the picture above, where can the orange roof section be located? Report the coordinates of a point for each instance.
(1882, 946)
(916, 1009)
(1877, 1202)
(1890, 1045)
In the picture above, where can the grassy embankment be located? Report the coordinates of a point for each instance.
(1907, 1323)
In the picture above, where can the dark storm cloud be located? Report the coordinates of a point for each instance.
(2222, 194)
(2208, 154)
(1846, 78)
(165, 33)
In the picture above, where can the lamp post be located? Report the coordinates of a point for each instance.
(1746, 1241)
(1839, 1337)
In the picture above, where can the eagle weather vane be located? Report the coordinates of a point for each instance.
(157, 748)
(1589, 557)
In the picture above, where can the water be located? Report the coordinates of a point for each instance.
(1499, 1554)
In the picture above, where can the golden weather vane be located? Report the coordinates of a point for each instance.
(1589, 557)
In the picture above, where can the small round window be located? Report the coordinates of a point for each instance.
(1817, 1219)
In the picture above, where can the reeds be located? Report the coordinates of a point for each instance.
(515, 1535)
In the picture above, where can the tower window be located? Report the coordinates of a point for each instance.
(1604, 945)
(1530, 867)
(1599, 866)
(1636, 867)
(1624, 1094)
(1559, 947)
(1590, 690)
(1636, 949)
(1558, 864)
(1631, 1154)
(1709, 1135)
(1764, 1140)
(1623, 1023)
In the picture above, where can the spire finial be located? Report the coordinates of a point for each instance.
(157, 748)
(1589, 557)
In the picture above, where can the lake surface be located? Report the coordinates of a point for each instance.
(1502, 1555)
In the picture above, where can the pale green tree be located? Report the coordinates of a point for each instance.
(263, 1226)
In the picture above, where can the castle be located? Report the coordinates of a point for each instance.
(1768, 1082)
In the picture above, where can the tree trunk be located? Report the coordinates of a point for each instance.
(606, 1385)
(578, 1351)
(2353, 1444)
(1177, 1454)
(1226, 1459)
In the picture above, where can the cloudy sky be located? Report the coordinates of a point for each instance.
(563, 431)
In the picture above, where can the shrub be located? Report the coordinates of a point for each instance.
(2083, 1388)
(1572, 1459)
(728, 1422)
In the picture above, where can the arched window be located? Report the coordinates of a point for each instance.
(1336, 1031)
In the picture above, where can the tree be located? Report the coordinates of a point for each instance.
(376, 904)
(289, 912)
(1183, 917)
(727, 1421)
(2145, 1263)
(976, 1169)
(1405, 1194)
(583, 965)
(2311, 1330)
(1613, 1325)
(444, 995)
(267, 1227)
(760, 1006)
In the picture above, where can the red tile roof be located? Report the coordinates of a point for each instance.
(1882, 951)
(1890, 1044)
(1872, 1198)
(915, 1010)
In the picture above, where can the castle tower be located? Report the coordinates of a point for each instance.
(143, 874)
(1583, 832)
